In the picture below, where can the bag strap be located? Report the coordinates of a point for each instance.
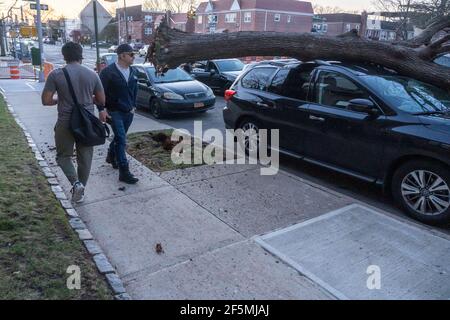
(69, 83)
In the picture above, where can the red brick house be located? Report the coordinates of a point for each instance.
(254, 15)
(339, 23)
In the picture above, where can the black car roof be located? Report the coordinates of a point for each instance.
(356, 69)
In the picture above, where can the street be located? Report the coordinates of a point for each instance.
(53, 54)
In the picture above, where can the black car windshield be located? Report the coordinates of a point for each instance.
(409, 95)
(230, 65)
(172, 75)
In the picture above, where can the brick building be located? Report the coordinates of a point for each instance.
(141, 23)
(254, 15)
(339, 23)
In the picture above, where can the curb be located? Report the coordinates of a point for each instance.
(97, 255)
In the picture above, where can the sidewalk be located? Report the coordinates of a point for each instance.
(229, 233)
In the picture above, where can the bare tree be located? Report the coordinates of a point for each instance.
(318, 9)
(176, 6)
(411, 58)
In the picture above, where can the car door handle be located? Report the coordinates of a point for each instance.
(265, 105)
(314, 118)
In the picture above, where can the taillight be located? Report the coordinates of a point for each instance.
(229, 94)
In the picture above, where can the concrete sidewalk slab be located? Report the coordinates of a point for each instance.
(104, 182)
(253, 204)
(338, 250)
(195, 174)
(129, 228)
(241, 271)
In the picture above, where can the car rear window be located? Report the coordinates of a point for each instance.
(258, 79)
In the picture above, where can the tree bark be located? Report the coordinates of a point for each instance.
(172, 48)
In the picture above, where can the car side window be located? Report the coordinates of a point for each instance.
(292, 83)
(211, 66)
(258, 79)
(336, 90)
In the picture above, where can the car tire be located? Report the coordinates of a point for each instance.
(422, 189)
(156, 109)
(247, 124)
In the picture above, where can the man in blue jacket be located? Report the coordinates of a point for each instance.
(120, 83)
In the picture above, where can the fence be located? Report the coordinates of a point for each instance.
(14, 69)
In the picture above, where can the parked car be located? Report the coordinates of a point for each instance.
(112, 49)
(144, 50)
(365, 121)
(137, 46)
(443, 60)
(281, 62)
(106, 59)
(219, 75)
(174, 92)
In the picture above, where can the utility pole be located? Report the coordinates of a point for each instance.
(41, 45)
(96, 34)
(126, 19)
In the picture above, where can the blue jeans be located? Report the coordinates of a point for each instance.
(121, 122)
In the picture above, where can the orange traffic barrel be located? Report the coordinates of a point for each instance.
(14, 72)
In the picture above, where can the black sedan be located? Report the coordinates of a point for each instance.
(219, 75)
(363, 120)
(174, 92)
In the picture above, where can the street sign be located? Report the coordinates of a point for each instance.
(33, 6)
(28, 32)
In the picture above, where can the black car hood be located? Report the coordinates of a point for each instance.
(439, 122)
(181, 87)
(232, 74)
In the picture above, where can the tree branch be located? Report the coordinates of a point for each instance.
(430, 31)
(172, 48)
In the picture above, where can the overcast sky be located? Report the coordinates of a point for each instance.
(71, 8)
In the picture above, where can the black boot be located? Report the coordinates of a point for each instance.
(126, 176)
(112, 160)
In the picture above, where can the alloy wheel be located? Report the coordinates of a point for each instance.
(251, 137)
(426, 192)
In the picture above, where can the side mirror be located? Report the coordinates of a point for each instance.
(143, 81)
(364, 106)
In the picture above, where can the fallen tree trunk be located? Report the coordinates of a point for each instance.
(172, 48)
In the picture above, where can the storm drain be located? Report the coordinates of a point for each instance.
(358, 253)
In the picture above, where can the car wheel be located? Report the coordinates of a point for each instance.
(422, 188)
(156, 109)
(251, 139)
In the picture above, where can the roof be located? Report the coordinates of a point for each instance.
(179, 18)
(278, 5)
(342, 17)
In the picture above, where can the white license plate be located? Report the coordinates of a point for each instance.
(199, 105)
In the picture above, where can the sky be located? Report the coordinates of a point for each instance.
(71, 8)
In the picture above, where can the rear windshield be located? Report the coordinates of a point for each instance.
(172, 75)
(230, 65)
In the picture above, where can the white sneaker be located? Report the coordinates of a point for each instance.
(77, 192)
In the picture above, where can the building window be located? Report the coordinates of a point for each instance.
(248, 17)
(130, 18)
(212, 19)
(212, 29)
(277, 17)
(348, 27)
(200, 19)
(325, 27)
(289, 19)
(148, 19)
(358, 27)
(148, 31)
(230, 18)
